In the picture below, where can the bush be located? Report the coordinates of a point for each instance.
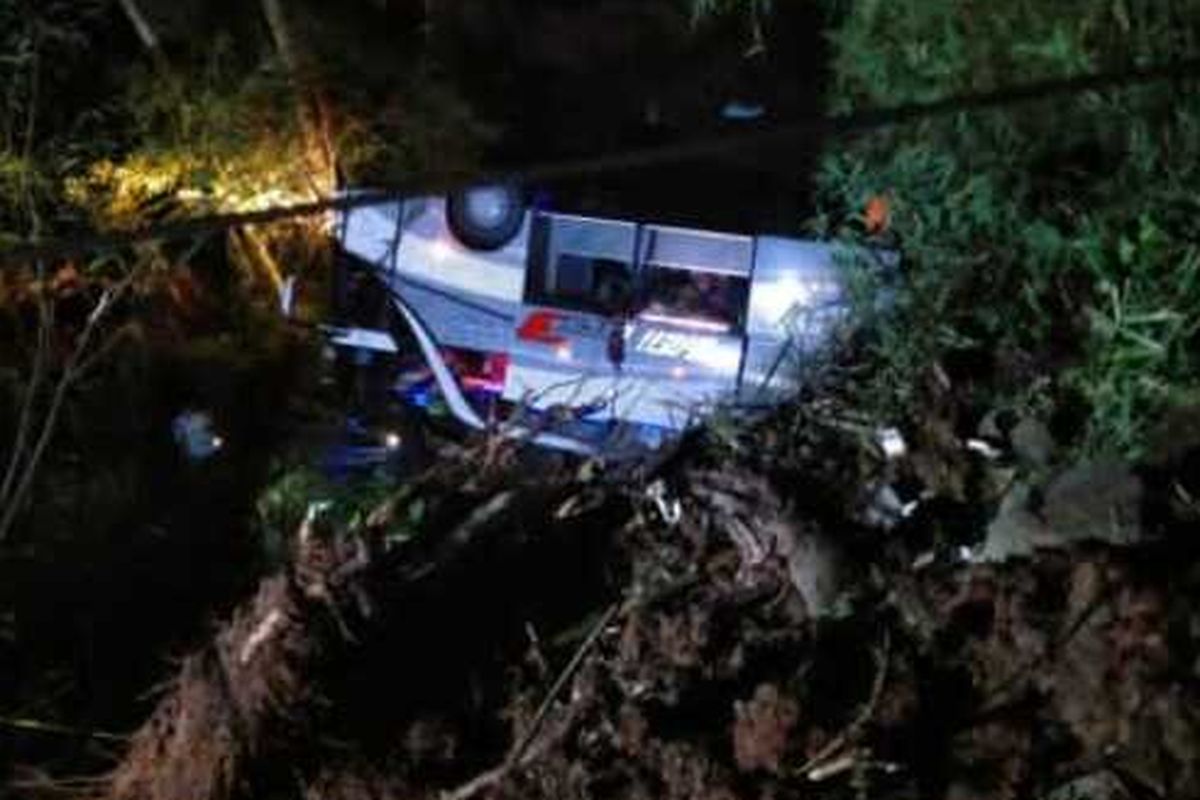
(1053, 242)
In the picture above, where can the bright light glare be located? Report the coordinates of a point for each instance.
(562, 352)
(715, 355)
(440, 250)
(217, 442)
(392, 440)
(709, 326)
(779, 296)
(678, 372)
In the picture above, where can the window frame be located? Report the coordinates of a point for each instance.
(542, 262)
(733, 324)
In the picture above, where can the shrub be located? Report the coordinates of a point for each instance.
(1055, 240)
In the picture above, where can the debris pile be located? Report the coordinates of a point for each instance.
(748, 630)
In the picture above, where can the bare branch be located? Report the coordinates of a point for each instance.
(311, 113)
(45, 308)
(524, 752)
(826, 763)
(145, 33)
(40, 726)
(37, 373)
(70, 374)
(568, 672)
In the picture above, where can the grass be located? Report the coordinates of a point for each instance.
(1054, 243)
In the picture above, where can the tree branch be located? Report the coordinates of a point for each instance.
(25, 423)
(45, 308)
(146, 34)
(70, 374)
(311, 113)
(523, 751)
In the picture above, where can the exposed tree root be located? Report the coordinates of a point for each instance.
(728, 670)
(242, 699)
(243, 715)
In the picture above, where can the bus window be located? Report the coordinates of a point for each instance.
(684, 296)
(586, 283)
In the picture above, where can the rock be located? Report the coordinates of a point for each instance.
(989, 426)
(995, 481)
(1095, 786)
(883, 507)
(1032, 443)
(762, 728)
(1099, 500)
(1016, 531)
(1176, 435)
(816, 569)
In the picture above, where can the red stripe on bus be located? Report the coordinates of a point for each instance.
(539, 327)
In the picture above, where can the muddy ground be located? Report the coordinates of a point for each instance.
(797, 610)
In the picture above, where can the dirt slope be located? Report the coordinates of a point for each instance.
(737, 626)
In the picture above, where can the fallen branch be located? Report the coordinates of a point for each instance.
(263, 632)
(566, 675)
(54, 728)
(464, 534)
(40, 784)
(827, 762)
(45, 307)
(25, 423)
(523, 753)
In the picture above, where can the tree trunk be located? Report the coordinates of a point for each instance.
(145, 33)
(282, 35)
(311, 109)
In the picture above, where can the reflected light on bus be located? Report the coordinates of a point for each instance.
(779, 296)
(440, 250)
(722, 357)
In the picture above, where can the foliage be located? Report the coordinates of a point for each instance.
(912, 50)
(398, 110)
(287, 498)
(210, 127)
(421, 126)
(221, 130)
(1051, 243)
(704, 9)
(753, 12)
(34, 131)
(217, 137)
(1142, 352)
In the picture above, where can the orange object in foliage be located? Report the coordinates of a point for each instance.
(877, 214)
(66, 280)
